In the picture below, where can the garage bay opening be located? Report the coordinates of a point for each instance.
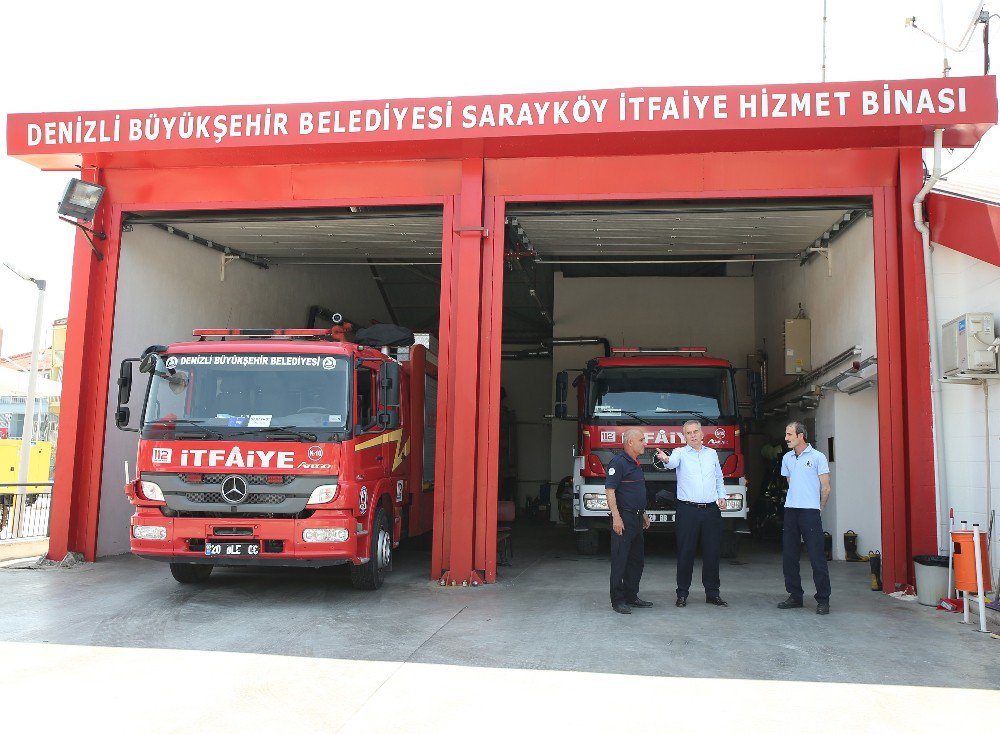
(744, 315)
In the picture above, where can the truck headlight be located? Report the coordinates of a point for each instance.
(322, 494)
(152, 492)
(595, 501)
(324, 535)
(149, 532)
(734, 501)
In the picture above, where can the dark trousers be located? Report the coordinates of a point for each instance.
(627, 559)
(693, 522)
(807, 525)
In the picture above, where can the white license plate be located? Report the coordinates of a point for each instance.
(661, 516)
(232, 549)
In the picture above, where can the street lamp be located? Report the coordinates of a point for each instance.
(29, 402)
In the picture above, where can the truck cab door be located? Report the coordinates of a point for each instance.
(372, 456)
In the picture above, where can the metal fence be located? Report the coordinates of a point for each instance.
(25, 510)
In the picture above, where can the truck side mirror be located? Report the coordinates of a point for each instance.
(562, 383)
(122, 415)
(387, 418)
(125, 382)
(756, 393)
(389, 384)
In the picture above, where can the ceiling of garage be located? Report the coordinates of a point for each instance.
(401, 247)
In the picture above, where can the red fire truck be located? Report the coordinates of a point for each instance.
(280, 447)
(656, 390)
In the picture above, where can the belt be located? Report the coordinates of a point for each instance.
(698, 504)
(634, 512)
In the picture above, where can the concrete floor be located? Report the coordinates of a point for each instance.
(546, 626)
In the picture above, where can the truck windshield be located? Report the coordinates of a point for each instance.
(254, 395)
(660, 394)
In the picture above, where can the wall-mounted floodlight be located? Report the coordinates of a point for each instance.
(80, 201)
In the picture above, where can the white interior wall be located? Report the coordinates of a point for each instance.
(717, 313)
(529, 394)
(841, 307)
(166, 288)
(963, 284)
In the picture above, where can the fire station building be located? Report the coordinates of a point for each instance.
(777, 226)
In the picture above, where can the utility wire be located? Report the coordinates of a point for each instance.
(966, 37)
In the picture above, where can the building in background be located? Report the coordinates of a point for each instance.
(13, 370)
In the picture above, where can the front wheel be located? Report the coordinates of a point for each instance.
(729, 546)
(371, 574)
(588, 542)
(191, 573)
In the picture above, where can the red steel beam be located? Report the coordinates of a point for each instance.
(491, 325)
(920, 476)
(458, 422)
(440, 540)
(969, 226)
(77, 487)
(891, 414)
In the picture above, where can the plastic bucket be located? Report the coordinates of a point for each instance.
(932, 579)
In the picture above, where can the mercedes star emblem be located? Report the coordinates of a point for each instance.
(234, 489)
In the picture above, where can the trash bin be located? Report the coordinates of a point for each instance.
(932, 579)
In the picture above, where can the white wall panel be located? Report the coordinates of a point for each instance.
(841, 307)
(963, 284)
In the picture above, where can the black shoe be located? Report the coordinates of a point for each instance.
(717, 601)
(823, 607)
(622, 608)
(790, 603)
(682, 601)
(640, 603)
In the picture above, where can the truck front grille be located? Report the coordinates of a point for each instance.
(216, 498)
(217, 478)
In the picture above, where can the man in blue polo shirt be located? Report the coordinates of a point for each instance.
(808, 490)
(625, 488)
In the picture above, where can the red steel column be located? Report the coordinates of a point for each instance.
(922, 506)
(455, 475)
(891, 394)
(491, 326)
(83, 405)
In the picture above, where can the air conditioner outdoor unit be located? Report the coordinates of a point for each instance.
(965, 346)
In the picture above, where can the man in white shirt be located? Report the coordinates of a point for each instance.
(701, 497)
(808, 475)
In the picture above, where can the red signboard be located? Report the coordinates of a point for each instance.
(252, 457)
(927, 103)
(717, 437)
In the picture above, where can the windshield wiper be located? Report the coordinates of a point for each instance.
(713, 421)
(206, 432)
(278, 429)
(613, 413)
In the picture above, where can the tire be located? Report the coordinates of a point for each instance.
(371, 574)
(729, 547)
(191, 573)
(587, 543)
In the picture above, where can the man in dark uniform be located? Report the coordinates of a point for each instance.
(626, 492)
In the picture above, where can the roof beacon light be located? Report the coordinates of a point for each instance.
(629, 351)
(252, 333)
